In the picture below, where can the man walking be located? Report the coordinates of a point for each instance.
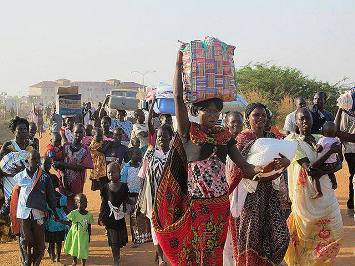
(36, 191)
(319, 114)
(290, 121)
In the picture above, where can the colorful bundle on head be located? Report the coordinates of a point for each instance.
(208, 70)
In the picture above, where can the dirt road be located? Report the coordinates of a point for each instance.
(100, 253)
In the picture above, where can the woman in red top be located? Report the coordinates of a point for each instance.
(191, 211)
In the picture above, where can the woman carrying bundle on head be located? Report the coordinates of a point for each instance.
(191, 212)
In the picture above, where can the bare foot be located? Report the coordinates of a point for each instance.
(317, 195)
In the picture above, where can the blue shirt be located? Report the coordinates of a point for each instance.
(129, 175)
(51, 225)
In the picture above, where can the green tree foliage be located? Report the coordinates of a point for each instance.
(273, 83)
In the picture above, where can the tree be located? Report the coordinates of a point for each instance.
(273, 84)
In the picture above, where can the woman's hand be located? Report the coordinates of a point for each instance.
(178, 87)
(335, 148)
(182, 116)
(315, 173)
(251, 170)
(19, 168)
(281, 162)
(269, 167)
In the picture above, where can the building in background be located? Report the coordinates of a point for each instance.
(45, 92)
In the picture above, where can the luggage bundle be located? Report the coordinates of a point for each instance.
(68, 101)
(208, 70)
(346, 101)
(123, 103)
(164, 100)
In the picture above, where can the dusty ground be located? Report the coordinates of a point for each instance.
(100, 253)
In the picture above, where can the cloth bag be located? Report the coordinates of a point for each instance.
(208, 70)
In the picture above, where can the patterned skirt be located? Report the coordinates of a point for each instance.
(190, 231)
(260, 235)
(139, 223)
(199, 237)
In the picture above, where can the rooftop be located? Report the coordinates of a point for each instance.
(114, 83)
(45, 84)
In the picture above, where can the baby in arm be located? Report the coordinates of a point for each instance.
(323, 146)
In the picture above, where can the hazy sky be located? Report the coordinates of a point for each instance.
(103, 39)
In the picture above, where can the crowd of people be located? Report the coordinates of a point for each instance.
(180, 187)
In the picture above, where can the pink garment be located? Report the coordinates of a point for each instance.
(76, 179)
(107, 139)
(143, 169)
(152, 138)
(326, 143)
(87, 140)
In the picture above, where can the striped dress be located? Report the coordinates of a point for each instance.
(152, 169)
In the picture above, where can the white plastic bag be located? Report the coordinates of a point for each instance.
(262, 152)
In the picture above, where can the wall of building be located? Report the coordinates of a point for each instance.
(93, 92)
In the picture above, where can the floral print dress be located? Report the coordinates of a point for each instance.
(315, 225)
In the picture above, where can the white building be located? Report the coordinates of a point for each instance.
(91, 91)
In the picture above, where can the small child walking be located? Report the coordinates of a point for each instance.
(114, 150)
(114, 196)
(54, 230)
(129, 175)
(54, 151)
(98, 174)
(77, 241)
